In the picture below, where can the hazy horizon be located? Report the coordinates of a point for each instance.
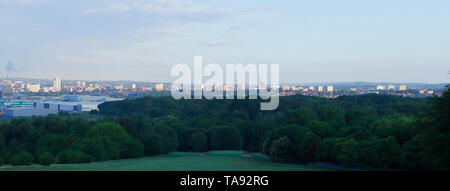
(281, 83)
(313, 42)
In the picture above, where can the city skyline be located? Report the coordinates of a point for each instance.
(169, 82)
(314, 42)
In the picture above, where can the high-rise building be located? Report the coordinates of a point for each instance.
(380, 87)
(285, 88)
(330, 88)
(319, 88)
(119, 87)
(133, 86)
(402, 87)
(19, 84)
(34, 87)
(57, 85)
(311, 88)
(391, 87)
(159, 87)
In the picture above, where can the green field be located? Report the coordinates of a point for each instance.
(179, 161)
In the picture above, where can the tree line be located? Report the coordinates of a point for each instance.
(365, 131)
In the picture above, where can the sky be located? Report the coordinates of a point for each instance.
(312, 41)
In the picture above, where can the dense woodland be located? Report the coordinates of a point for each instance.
(364, 132)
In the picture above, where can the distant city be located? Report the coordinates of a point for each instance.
(332, 90)
(20, 97)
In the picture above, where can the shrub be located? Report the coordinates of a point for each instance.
(281, 149)
(45, 158)
(70, 156)
(114, 132)
(93, 147)
(22, 158)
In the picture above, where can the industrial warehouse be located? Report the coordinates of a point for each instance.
(41, 109)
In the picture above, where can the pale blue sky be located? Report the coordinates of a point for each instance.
(313, 41)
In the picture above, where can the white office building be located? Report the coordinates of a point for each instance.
(380, 87)
(391, 87)
(33, 87)
(57, 85)
(319, 88)
(330, 88)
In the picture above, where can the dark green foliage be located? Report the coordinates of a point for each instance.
(71, 156)
(367, 131)
(2, 142)
(22, 158)
(402, 128)
(348, 148)
(169, 138)
(156, 137)
(134, 149)
(329, 113)
(128, 125)
(11, 150)
(85, 140)
(281, 150)
(413, 153)
(45, 158)
(109, 130)
(387, 152)
(328, 150)
(321, 129)
(153, 145)
(115, 133)
(299, 116)
(302, 141)
(18, 129)
(366, 155)
(101, 148)
(49, 142)
(54, 124)
(78, 127)
(378, 131)
(224, 138)
(437, 133)
(360, 115)
(198, 142)
(258, 134)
